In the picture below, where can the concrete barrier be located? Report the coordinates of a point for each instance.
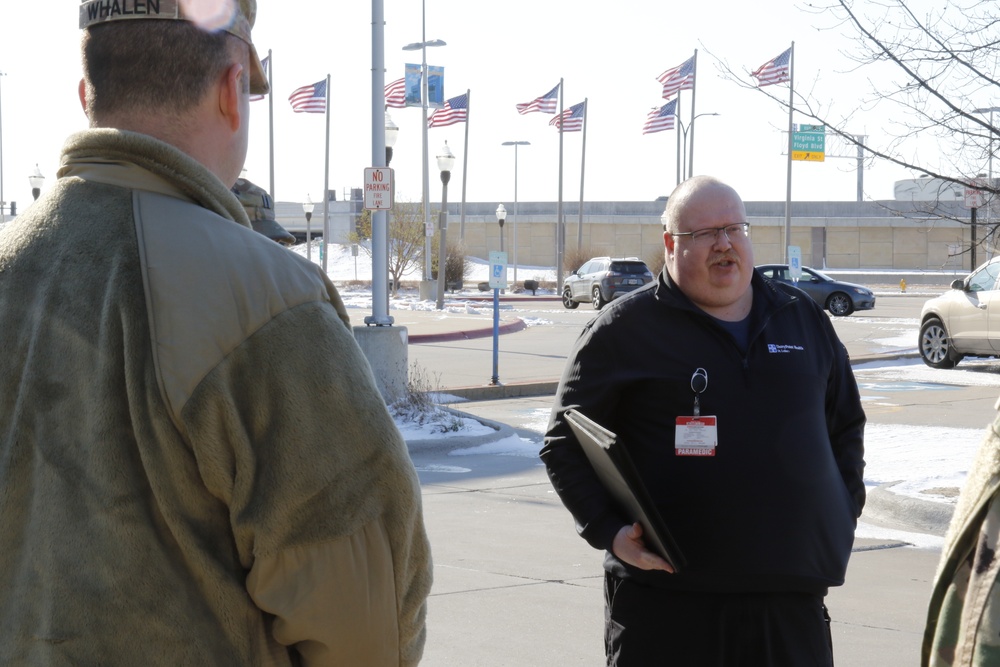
(387, 354)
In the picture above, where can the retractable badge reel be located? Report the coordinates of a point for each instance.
(697, 434)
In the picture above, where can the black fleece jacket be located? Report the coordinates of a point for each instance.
(775, 509)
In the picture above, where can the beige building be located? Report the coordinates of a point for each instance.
(899, 235)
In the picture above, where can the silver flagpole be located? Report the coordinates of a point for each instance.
(689, 172)
(326, 182)
(788, 191)
(677, 131)
(559, 206)
(465, 164)
(583, 161)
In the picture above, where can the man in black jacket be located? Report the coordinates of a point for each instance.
(736, 400)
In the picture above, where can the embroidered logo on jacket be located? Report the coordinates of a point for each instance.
(784, 349)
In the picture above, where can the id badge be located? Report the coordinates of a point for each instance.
(695, 436)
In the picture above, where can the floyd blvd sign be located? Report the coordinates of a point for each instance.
(378, 189)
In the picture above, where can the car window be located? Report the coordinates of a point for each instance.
(585, 269)
(774, 273)
(985, 279)
(629, 267)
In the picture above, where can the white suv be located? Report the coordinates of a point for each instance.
(964, 321)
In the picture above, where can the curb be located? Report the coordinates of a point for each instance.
(510, 327)
(892, 510)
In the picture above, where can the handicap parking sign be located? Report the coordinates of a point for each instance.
(498, 270)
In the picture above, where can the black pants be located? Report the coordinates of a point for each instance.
(649, 627)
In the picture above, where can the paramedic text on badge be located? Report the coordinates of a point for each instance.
(696, 435)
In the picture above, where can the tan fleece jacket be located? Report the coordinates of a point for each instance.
(195, 465)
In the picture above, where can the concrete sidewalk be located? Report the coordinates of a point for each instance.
(514, 585)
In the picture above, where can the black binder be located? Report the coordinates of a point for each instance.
(618, 474)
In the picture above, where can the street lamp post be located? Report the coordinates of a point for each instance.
(687, 165)
(37, 181)
(501, 217)
(495, 378)
(445, 160)
(307, 208)
(989, 206)
(513, 224)
(422, 46)
(391, 134)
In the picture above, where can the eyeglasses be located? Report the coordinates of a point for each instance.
(736, 231)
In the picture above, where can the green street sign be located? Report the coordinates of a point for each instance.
(809, 143)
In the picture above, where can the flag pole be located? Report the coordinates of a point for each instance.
(694, 83)
(270, 117)
(583, 162)
(678, 130)
(559, 206)
(788, 190)
(326, 183)
(465, 164)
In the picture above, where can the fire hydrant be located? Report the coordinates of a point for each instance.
(902, 285)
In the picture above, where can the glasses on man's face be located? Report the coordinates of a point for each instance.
(737, 231)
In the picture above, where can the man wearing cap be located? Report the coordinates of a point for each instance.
(195, 465)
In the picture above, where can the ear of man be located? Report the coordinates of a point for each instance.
(234, 85)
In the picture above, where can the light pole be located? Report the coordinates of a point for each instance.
(687, 165)
(513, 224)
(391, 134)
(989, 207)
(422, 46)
(445, 160)
(307, 208)
(37, 181)
(501, 217)
(495, 378)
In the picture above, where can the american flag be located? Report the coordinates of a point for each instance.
(773, 71)
(546, 103)
(572, 118)
(309, 99)
(395, 94)
(678, 78)
(661, 119)
(266, 62)
(455, 110)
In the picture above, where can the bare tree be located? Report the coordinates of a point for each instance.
(941, 63)
(405, 238)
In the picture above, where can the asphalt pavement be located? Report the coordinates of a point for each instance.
(514, 585)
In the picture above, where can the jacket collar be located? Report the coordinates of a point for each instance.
(135, 160)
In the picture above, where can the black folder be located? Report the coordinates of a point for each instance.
(618, 474)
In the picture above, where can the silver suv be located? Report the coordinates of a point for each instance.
(602, 279)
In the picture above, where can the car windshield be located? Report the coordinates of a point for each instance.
(821, 274)
(628, 267)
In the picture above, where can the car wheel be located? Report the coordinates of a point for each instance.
(935, 346)
(598, 299)
(567, 299)
(839, 304)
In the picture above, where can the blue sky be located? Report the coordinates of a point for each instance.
(505, 53)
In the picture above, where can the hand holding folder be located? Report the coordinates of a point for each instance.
(619, 476)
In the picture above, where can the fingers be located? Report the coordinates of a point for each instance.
(629, 548)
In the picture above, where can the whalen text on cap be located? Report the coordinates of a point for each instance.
(97, 11)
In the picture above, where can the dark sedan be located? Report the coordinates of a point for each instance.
(838, 297)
